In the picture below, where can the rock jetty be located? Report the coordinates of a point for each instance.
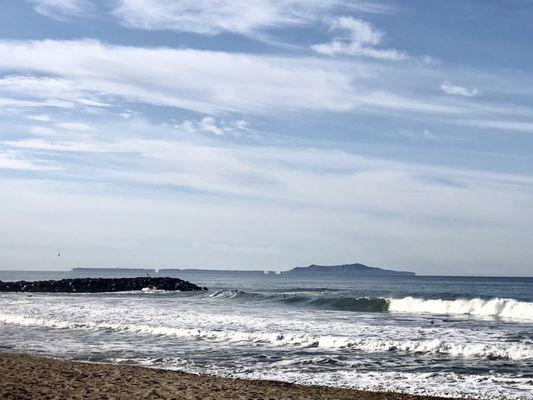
(97, 285)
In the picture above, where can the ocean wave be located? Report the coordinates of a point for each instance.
(362, 304)
(307, 297)
(502, 308)
(293, 339)
(496, 307)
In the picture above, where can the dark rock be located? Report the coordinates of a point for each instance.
(97, 285)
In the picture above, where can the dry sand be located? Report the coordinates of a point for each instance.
(28, 377)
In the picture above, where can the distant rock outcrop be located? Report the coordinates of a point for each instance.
(96, 285)
(345, 270)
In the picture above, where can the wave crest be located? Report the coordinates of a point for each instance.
(502, 308)
(496, 307)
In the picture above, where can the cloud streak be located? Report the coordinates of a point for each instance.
(203, 81)
(360, 39)
(93, 77)
(235, 16)
(60, 9)
(91, 74)
(287, 192)
(456, 90)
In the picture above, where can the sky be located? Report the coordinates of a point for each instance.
(267, 134)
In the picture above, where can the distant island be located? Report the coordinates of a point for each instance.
(345, 270)
(114, 269)
(211, 271)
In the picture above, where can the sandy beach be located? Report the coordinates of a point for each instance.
(28, 377)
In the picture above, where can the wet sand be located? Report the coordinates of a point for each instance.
(28, 377)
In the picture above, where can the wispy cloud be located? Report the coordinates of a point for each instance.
(216, 126)
(39, 117)
(59, 9)
(88, 76)
(286, 192)
(53, 90)
(506, 125)
(425, 134)
(74, 126)
(360, 39)
(236, 16)
(456, 90)
(11, 160)
(204, 81)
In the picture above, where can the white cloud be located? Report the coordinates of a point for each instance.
(455, 90)
(427, 134)
(39, 117)
(58, 9)
(276, 173)
(89, 74)
(41, 131)
(208, 124)
(11, 160)
(361, 39)
(52, 90)
(18, 103)
(507, 125)
(238, 16)
(30, 94)
(216, 126)
(257, 195)
(204, 81)
(73, 126)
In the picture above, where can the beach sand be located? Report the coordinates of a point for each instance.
(28, 377)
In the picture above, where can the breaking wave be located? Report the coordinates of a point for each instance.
(292, 339)
(496, 307)
(501, 308)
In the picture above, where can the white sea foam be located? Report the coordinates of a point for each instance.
(503, 308)
(441, 384)
(225, 294)
(294, 339)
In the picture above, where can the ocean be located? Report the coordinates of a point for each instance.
(447, 336)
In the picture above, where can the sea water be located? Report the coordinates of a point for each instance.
(448, 336)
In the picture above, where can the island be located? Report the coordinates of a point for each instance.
(101, 270)
(210, 271)
(345, 270)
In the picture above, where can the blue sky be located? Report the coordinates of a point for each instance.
(267, 133)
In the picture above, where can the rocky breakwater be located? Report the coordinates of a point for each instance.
(97, 285)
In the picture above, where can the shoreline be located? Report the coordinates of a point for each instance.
(34, 377)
